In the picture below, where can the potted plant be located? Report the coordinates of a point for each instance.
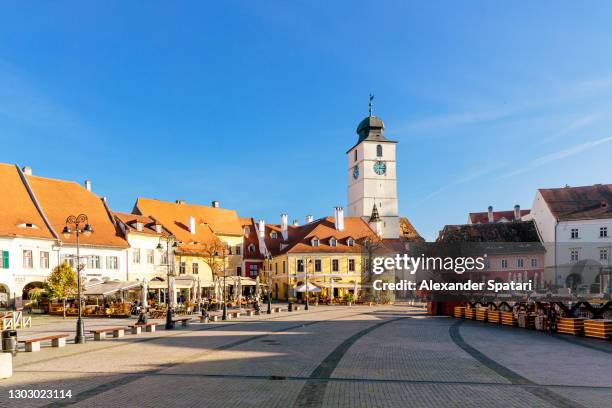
(349, 298)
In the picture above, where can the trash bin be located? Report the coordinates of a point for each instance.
(290, 307)
(9, 341)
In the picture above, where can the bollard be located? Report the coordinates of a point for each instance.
(290, 307)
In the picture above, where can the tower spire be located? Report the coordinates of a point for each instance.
(370, 104)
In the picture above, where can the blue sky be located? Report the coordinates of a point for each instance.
(255, 103)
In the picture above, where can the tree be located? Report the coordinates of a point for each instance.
(370, 246)
(215, 254)
(62, 283)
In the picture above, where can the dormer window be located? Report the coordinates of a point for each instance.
(273, 235)
(333, 242)
(314, 242)
(247, 230)
(139, 226)
(350, 242)
(28, 225)
(251, 248)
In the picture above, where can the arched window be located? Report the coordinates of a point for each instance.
(379, 151)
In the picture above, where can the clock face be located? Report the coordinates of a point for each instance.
(355, 172)
(380, 168)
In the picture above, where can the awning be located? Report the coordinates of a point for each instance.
(181, 283)
(338, 285)
(233, 281)
(309, 288)
(107, 288)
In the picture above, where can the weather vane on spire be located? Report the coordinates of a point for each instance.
(370, 104)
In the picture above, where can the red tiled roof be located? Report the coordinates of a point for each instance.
(483, 217)
(579, 203)
(130, 220)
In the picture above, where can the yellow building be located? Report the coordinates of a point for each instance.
(328, 252)
(210, 239)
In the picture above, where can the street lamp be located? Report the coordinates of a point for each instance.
(87, 230)
(170, 241)
(224, 314)
(306, 273)
(269, 291)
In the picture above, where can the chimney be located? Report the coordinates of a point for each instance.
(158, 228)
(192, 224)
(215, 204)
(295, 223)
(27, 170)
(517, 212)
(262, 229)
(284, 226)
(309, 219)
(339, 218)
(88, 185)
(490, 214)
(180, 201)
(139, 226)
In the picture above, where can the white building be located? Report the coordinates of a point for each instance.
(575, 225)
(372, 180)
(34, 212)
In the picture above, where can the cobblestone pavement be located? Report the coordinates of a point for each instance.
(386, 356)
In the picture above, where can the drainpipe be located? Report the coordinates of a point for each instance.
(556, 273)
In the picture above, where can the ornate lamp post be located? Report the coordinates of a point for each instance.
(87, 230)
(224, 315)
(170, 242)
(269, 290)
(306, 273)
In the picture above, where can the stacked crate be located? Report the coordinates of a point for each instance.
(494, 316)
(508, 319)
(569, 325)
(481, 314)
(459, 312)
(470, 313)
(598, 328)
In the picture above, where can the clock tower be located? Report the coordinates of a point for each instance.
(372, 179)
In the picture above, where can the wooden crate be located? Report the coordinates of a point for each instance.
(598, 328)
(508, 319)
(494, 316)
(527, 321)
(481, 314)
(569, 325)
(459, 311)
(470, 313)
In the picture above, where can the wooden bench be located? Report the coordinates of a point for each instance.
(250, 313)
(33, 344)
(204, 319)
(100, 334)
(233, 315)
(214, 318)
(276, 310)
(296, 308)
(184, 321)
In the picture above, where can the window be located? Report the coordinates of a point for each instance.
(238, 250)
(4, 264)
(355, 154)
(603, 232)
(350, 242)
(335, 265)
(195, 268)
(379, 151)
(112, 262)
(283, 267)
(164, 258)
(300, 265)
(69, 259)
(273, 235)
(136, 255)
(351, 265)
(253, 269)
(603, 254)
(574, 254)
(94, 262)
(27, 259)
(182, 268)
(504, 263)
(150, 256)
(44, 260)
(534, 262)
(239, 270)
(317, 265)
(314, 242)
(247, 230)
(520, 263)
(251, 248)
(574, 233)
(276, 268)
(333, 242)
